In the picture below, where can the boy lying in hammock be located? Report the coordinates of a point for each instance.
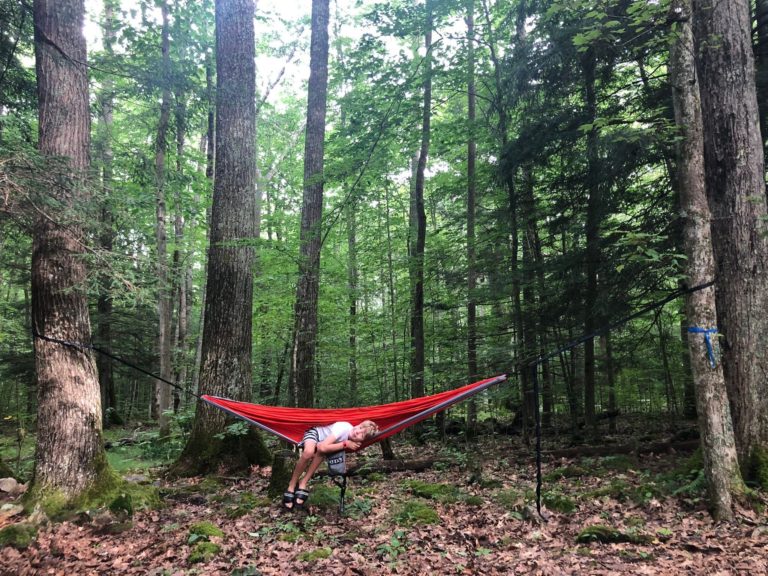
(318, 443)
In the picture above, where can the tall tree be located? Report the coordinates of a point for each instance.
(734, 164)
(471, 202)
(70, 457)
(305, 324)
(164, 297)
(226, 350)
(718, 444)
(107, 234)
(418, 219)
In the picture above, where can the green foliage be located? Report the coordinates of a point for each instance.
(415, 513)
(396, 546)
(315, 555)
(441, 492)
(18, 535)
(203, 552)
(202, 531)
(758, 471)
(566, 472)
(558, 502)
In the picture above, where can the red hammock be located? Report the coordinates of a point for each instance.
(291, 423)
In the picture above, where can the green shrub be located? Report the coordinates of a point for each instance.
(203, 552)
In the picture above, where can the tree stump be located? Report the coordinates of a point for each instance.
(283, 463)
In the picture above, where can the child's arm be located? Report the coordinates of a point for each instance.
(331, 445)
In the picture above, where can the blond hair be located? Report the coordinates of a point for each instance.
(370, 427)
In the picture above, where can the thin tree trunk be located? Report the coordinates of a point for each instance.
(472, 369)
(69, 458)
(419, 222)
(164, 294)
(107, 233)
(592, 253)
(717, 437)
(303, 356)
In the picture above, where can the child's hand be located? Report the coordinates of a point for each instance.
(352, 445)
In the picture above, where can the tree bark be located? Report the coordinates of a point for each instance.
(419, 221)
(70, 457)
(302, 376)
(106, 233)
(226, 353)
(592, 253)
(734, 164)
(472, 369)
(717, 438)
(164, 296)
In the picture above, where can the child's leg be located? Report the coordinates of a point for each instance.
(306, 459)
(313, 466)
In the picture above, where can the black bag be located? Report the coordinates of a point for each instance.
(337, 463)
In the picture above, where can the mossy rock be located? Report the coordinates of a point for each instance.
(608, 535)
(122, 505)
(203, 552)
(315, 555)
(416, 513)
(440, 492)
(19, 536)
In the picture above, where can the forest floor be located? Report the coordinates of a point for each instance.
(458, 517)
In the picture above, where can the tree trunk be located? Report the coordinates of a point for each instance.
(303, 359)
(419, 222)
(352, 279)
(472, 369)
(164, 299)
(226, 354)
(70, 456)
(761, 56)
(733, 155)
(717, 438)
(592, 253)
(107, 233)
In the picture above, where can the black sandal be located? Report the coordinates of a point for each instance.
(302, 495)
(289, 498)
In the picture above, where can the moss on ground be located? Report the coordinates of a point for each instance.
(415, 513)
(203, 552)
(315, 555)
(19, 536)
(608, 535)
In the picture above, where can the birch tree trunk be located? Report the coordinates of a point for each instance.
(717, 438)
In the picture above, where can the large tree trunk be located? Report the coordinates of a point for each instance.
(419, 222)
(164, 299)
(733, 155)
(70, 456)
(717, 438)
(226, 354)
(761, 56)
(302, 390)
